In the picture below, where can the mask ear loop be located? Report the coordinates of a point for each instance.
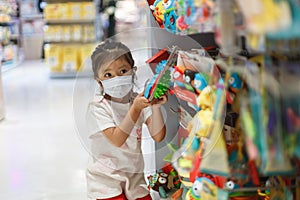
(134, 77)
(102, 93)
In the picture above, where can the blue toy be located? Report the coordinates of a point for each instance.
(235, 82)
(190, 11)
(199, 82)
(170, 16)
(198, 186)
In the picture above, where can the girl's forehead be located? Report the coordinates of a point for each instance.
(114, 64)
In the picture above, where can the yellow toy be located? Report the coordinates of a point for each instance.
(198, 128)
(158, 11)
(202, 120)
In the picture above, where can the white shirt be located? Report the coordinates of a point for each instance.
(113, 165)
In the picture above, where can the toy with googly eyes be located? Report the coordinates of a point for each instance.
(163, 182)
(158, 11)
(177, 76)
(235, 82)
(194, 193)
(234, 85)
(200, 82)
(170, 15)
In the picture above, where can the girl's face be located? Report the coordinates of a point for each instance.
(118, 67)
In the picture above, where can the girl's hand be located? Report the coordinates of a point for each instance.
(140, 102)
(162, 100)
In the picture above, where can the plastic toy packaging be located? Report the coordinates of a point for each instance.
(184, 17)
(195, 16)
(161, 81)
(290, 107)
(165, 180)
(195, 84)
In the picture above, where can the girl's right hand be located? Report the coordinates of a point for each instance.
(140, 102)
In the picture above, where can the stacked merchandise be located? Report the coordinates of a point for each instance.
(8, 31)
(184, 17)
(32, 23)
(2, 111)
(239, 134)
(70, 36)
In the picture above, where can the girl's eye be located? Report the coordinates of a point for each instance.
(123, 71)
(107, 75)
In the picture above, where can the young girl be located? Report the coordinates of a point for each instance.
(116, 119)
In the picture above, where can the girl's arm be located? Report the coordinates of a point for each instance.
(118, 135)
(155, 122)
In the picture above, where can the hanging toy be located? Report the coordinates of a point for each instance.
(187, 16)
(180, 23)
(234, 85)
(164, 181)
(205, 188)
(158, 11)
(200, 82)
(197, 128)
(177, 76)
(198, 186)
(202, 120)
(170, 16)
(162, 86)
(190, 11)
(161, 81)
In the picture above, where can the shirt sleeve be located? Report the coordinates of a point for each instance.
(98, 118)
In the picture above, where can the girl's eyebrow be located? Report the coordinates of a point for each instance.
(122, 66)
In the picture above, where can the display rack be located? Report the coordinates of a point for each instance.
(31, 23)
(231, 155)
(9, 34)
(70, 35)
(2, 110)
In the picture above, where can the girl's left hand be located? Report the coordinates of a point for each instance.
(162, 100)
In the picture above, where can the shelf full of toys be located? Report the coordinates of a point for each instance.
(242, 141)
(240, 132)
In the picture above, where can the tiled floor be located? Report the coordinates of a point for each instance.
(41, 155)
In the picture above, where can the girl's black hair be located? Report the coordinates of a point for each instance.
(107, 52)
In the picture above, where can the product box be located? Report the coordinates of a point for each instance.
(64, 9)
(49, 33)
(85, 53)
(66, 33)
(76, 33)
(70, 59)
(88, 33)
(51, 11)
(88, 10)
(53, 57)
(57, 33)
(75, 10)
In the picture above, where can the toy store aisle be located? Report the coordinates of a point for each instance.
(41, 154)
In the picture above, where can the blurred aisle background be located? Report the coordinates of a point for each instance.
(42, 157)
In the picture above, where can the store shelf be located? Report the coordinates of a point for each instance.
(32, 17)
(70, 74)
(69, 21)
(14, 37)
(8, 65)
(69, 42)
(66, 1)
(10, 23)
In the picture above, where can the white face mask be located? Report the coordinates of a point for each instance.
(118, 86)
